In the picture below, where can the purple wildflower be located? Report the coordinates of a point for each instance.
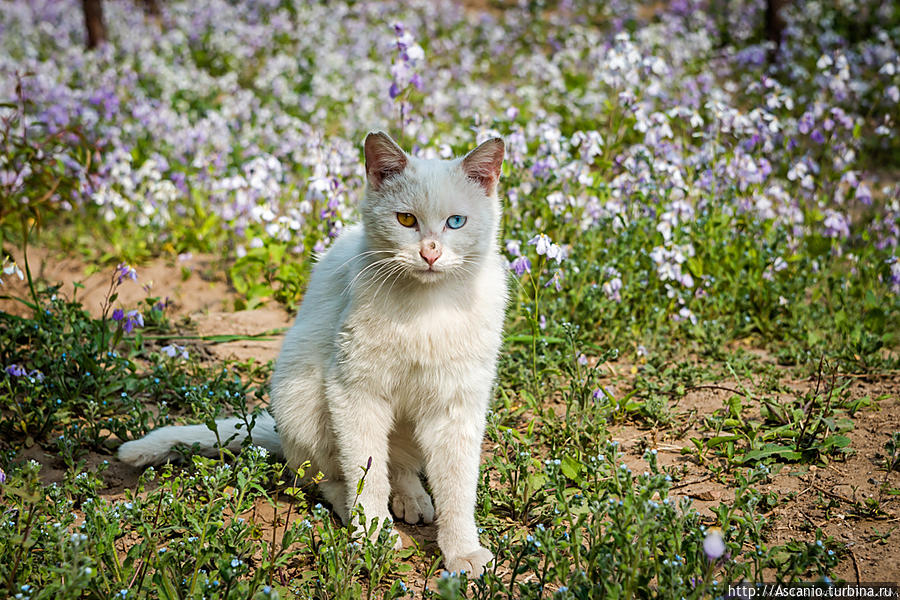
(125, 271)
(555, 280)
(174, 349)
(685, 314)
(612, 287)
(864, 194)
(16, 370)
(520, 265)
(409, 53)
(895, 274)
(133, 319)
(836, 224)
(118, 314)
(806, 123)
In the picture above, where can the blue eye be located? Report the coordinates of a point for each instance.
(456, 221)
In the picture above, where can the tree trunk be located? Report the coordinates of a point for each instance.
(93, 21)
(774, 26)
(151, 8)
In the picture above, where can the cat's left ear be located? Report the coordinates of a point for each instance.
(482, 165)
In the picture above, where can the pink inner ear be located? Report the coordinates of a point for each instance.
(482, 164)
(383, 158)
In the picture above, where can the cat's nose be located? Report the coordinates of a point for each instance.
(430, 250)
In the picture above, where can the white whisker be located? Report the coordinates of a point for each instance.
(361, 254)
(376, 263)
(396, 272)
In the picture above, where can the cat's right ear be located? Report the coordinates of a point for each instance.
(384, 158)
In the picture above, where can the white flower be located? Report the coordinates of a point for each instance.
(11, 268)
(542, 243)
(714, 545)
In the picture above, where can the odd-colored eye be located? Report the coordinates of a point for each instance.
(456, 221)
(406, 219)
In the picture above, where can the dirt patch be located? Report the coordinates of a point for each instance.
(848, 499)
(196, 292)
(189, 284)
(268, 323)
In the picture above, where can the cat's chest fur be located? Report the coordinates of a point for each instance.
(426, 342)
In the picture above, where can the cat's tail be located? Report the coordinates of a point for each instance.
(158, 446)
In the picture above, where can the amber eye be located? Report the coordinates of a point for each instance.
(406, 219)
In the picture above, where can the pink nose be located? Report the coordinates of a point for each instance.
(430, 251)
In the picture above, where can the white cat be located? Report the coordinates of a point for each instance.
(393, 355)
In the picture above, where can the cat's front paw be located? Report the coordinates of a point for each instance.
(413, 507)
(473, 563)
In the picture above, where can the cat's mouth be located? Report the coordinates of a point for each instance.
(428, 274)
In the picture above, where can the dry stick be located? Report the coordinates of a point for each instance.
(807, 410)
(834, 495)
(846, 500)
(274, 530)
(689, 422)
(885, 373)
(716, 387)
(819, 376)
(811, 522)
(855, 564)
(287, 521)
(687, 483)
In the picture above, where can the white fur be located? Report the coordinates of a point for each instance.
(157, 446)
(389, 360)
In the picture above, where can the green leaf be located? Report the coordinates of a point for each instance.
(570, 467)
(721, 439)
(769, 450)
(836, 441)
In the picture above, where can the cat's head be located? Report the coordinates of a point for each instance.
(431, 219)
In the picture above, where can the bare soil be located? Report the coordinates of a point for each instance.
(832, 498)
